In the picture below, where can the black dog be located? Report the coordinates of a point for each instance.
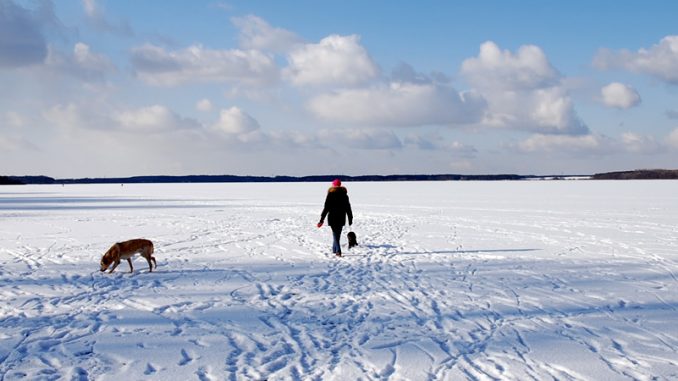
(352, 241)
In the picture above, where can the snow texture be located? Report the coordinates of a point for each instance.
(546, 280)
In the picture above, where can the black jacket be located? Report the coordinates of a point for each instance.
(338, 207)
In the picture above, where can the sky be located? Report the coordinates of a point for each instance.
(94, 88)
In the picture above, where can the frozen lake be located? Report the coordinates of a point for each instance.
(565, 280)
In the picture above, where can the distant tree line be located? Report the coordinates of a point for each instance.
(639, 174)
(624, 175)
(5, 180)
(255, 179)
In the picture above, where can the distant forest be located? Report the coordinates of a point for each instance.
(250, 179)
(4, 180)
(641, 174)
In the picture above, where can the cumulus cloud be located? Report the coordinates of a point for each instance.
(21, 39)
(408, 99)
(81, 63)
(344, 138)
(256, 33)
(72, 116)
(645, 144)
(399, 104)
(360, 138)
(659, 61)
(438, 143)
(406, 73)
(523, 90)
(97, 18)
(12, 137)
(619, 95)
(591, 144)
(335, 60)
(154, 118)
(234, 121)
(672, 139)
(15, 143)
(293, 139)
(204, 105)
(553, 112)
(580, 144)
(150, 119)
(157, 66)
(12, 119)
(495, 68)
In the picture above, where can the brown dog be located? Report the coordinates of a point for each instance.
(126, 250)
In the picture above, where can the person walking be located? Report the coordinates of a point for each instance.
(338, 207)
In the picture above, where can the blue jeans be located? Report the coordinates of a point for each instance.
(336, 235)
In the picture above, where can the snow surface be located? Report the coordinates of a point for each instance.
(563, 280)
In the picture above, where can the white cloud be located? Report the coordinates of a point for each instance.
(12, 137)
(399, 104)
(461, 165)
(672, 139)
(360, 138)
(82, 63)
(494, 68)
(234, 121)
(523, 90)
(590, 145)
(12, 119)
(154, 118)
(335, 60)
(72, 116)
(293, 139)
(86, 59)
(21, 40)
(637, 143)
(157, 66)
(338, 138)
(553, 112)
(406, 73)
(438, 143)
(90, 7)
(224, 6)
(15, 143)
(659, 61)
(98, 19)
(256, 33)
(581, 144)
(151, 119)
(619, 95)
(204, 105)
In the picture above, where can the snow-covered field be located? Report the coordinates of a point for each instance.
(546, 280)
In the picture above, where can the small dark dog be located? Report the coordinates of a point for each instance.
(352, 241)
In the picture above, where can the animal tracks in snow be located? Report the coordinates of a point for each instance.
(456, 283)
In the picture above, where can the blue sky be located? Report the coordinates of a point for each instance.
(121, 88)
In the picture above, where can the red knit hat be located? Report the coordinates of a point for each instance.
(336, 183)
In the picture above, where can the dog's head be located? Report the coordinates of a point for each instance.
(107, 259)
(105, 262)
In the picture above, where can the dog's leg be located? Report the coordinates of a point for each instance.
(115, 264)
(151, 249)
(150, 265)
(131, 268)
